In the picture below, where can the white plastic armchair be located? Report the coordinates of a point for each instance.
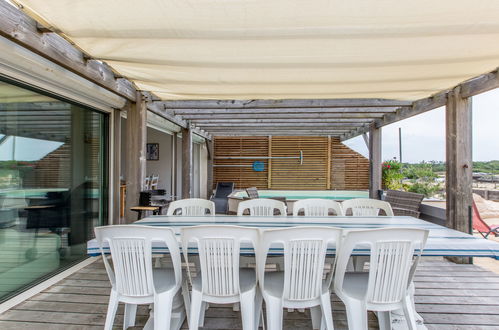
(221, 281)
(366, 207)
(317, 207)
(133, 279)
(261, 207)
(301, 285)
(386, 286)
(192, 207)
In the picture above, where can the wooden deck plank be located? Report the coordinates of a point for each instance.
(448, 296)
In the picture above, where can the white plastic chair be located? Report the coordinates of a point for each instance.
(133, 279)
(192, 207)
(261, 207)
(221, 281)
(301, 285)
(366, 207)
(386, 286)
(317, 207)
(154, 182)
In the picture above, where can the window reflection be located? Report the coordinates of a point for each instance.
(52, 176)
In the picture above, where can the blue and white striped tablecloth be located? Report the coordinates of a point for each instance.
(442, 241)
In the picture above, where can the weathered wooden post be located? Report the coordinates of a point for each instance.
(209, 168)
(187, 162)
(374, 161)
(115, 174)
(135, 153)
(458, 182)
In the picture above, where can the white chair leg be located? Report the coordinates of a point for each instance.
(187, 299)
(274, 314)
(384, 320)
(356, 315)
(204, 307)
(327, 311)
(258, 309)
(196, 304)
(111, 310)
(316, 315)
(129, 317)
(247, 304)
(163, 304)
(409, 313)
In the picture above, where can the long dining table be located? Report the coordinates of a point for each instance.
(441, 241)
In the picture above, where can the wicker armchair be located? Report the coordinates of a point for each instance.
(404, 203)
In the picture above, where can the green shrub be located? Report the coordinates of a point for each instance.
(392, 175)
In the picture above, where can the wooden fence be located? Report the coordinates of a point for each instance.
(327, 163)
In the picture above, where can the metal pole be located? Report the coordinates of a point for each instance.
(400, 145)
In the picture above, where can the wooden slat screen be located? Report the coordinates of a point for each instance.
(288, 174)
(243, 177)
(349, 170)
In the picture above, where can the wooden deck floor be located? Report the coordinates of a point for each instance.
(448, 296)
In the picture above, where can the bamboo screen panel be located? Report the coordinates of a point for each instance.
(243, 177)
(288, 173)
(350, 170)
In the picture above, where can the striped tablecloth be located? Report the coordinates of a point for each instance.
(442, 241)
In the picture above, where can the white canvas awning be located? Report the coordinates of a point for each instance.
(284, 49)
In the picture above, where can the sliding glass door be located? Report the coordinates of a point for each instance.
(53, 186)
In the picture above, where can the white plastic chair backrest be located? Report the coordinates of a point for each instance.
(219, 249)
(131, 253)
(192, 207)
(261, 207)
(154, 182)
(147, 183)
(317, 207)
(392, 262)
(304, 254)
(366, 207)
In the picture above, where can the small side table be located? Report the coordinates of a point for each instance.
(156, 210)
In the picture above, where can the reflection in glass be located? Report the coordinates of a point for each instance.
(52, 179)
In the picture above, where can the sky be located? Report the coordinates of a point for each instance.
(423, 136)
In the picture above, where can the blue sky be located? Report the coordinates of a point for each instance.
(423, 136)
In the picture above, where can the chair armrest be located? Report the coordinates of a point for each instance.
(405, 212)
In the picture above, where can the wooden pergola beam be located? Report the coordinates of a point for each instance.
(177, 120)
(417, 108)
(480, 84)
(277, 132)
(208, 126)
(23, 30)
(370, 116)
(281, 120)
(290, 103)
(183, 112)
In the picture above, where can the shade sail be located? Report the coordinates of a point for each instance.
(284, 49)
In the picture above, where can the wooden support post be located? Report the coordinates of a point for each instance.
(458, 182)
(135, 154)
(187, 163)
(374, 161)
(328, 162)
(269, 162)
(116, 168)
(209, 168)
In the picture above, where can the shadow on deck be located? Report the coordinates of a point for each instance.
(448, 296)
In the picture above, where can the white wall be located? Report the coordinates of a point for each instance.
(163, 166)
(179, 168)
(203, 171)
(195, 170)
